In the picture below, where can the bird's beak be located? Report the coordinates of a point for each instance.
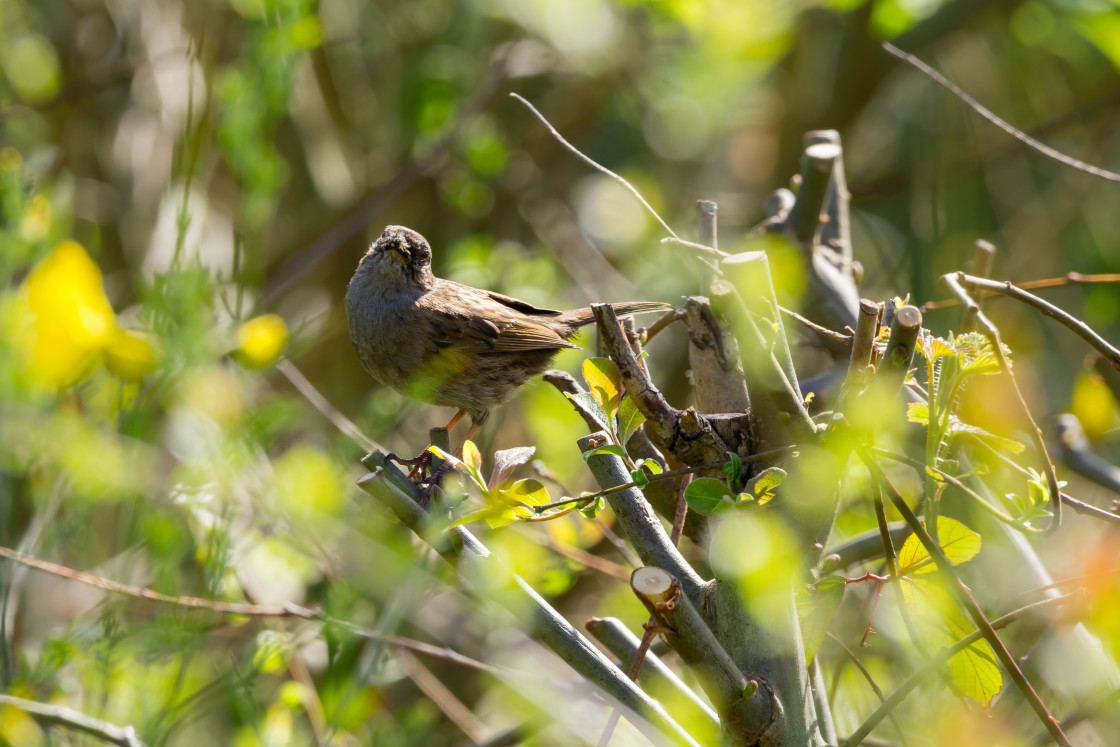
(399, 248)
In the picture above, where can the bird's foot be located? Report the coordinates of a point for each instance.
(421, 465)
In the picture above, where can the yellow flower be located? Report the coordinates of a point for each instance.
(130, 355)
(63, 318)
(261, 340)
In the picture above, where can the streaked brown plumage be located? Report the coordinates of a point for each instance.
(448, 343)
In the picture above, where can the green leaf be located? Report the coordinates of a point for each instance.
(917, 412)
(708, 496)
(650, 464)
(604, 383)
(639, 477)
(591, 510)
(957, 428)
(586, 403)
(816, 606)
(763, 486)
(733, 468)
(527, 493)
(608, 449)
(958, 542)
(941, 623)
(630, 419)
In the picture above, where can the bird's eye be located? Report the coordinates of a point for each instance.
(425, 258)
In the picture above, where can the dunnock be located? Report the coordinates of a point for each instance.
(447, 343)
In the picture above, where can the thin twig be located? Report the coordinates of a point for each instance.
(286, 609)
(942, 656)
(840, 337)
(56, 715)
(323, 405)
(1078, 327)
(592, 163)
(701, 249)
(866, 675)
(1070, 278)
(988, 115)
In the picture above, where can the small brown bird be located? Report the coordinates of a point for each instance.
(447, 343)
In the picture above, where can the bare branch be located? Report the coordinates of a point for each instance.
(56, 715)
(988, 115)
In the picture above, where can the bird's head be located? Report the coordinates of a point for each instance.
(400, 258)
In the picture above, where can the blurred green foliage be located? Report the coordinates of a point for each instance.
(185, 189)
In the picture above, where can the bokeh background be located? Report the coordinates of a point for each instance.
(186, 187)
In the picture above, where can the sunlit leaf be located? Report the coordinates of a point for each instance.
(958, 542)
(941, 623)
(614, 449)
(630, 419)
(763, 486)
(587, 402)
(816, 605)
(604, 383)
(917, 412)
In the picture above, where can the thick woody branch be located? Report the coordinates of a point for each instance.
(400, 495)
(646, 534)
(662, 494)
(749, 707)
(816, 177)
(684, 434)
(713, 358)
(901, 344)
(863, 345)
(836, 230)
(1074, 449)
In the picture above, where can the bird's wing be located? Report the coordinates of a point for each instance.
(460, 316)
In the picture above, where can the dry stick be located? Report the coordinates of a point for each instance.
(56, 715)
(940, 658)
(830, 334)
(963, 596)
(1070, 278)
(323, 405)
(593, 164)
(1080, 328)
(447, 702)
(287, 609)
(701, 249)
(992, 333)
(988, 115)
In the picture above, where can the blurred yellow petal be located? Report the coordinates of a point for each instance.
(261, 340)
(63, 316)
(130, 355)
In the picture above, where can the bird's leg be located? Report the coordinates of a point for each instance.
(423, 463)
(475, 425)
